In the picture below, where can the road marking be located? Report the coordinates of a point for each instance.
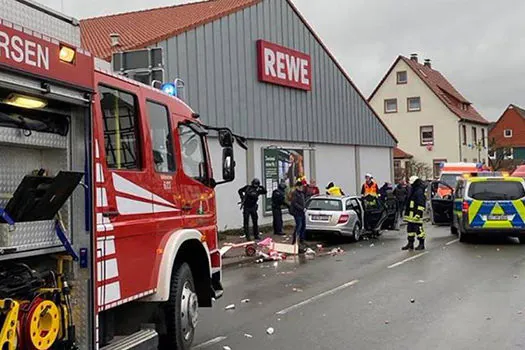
(452, 242)
(209, 343)
(407, 260)
(317, 297)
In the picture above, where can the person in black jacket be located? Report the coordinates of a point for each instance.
(414, 214)
(278, 202)
(249, 203)
(297, 210)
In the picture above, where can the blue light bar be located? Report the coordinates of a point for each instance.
(169, 88)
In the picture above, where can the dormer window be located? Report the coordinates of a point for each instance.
(464, 106)
(402, 77)
(507, 133)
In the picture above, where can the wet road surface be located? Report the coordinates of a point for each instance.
(452, 296)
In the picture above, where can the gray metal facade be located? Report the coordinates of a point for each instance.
(218, 62)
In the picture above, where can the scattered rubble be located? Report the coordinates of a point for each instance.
(412, 300)
(270, 331)
(230, 307)
(309, 251)
(226, 348)
(297, 290)
(248, 335)
(244, 301)
(372, 245)
(337, 251)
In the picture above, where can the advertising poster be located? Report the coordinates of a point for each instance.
(281, 166)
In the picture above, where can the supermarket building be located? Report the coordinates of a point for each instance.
(257, 67)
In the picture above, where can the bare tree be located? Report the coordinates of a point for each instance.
(500, 157)
(420, 169)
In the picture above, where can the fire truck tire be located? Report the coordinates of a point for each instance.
(181, 309)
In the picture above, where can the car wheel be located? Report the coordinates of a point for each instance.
(181, 309)
(356, 232)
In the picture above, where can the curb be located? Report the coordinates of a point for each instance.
(231, 262)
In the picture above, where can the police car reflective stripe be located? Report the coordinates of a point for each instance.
(481, 214)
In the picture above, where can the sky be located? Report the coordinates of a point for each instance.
(479, 45)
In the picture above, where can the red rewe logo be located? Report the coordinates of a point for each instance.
(283, 66)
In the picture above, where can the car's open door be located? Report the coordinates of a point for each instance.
(441, 203)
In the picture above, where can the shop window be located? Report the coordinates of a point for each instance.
(161, 137)
(483, 137)
(507, 133)
(402, 77)
(391, 105)
(414, 104)
(426, 134)
(121, 130)
(464, 132)
(193, 156)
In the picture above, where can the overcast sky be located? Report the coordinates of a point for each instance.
(479, 45)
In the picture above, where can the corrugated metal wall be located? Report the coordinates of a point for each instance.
(218, 62)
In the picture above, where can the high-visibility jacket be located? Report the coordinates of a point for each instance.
(369, 189)
(335, 191)
(416, 205)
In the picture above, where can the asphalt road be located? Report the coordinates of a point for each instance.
(465, 296)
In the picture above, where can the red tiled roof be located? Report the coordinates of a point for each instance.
(144, 28)
(400, 154)
(443, 90)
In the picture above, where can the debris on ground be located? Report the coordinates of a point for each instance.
(412, 301)
(515, 276)
(320, 247)
(337, 251)
(421, 281)
(270, 331)
(370, 302)
(297, 290)
(248, 335)
(244, 301)
(309, 251)
(230, 307)
(372, 245)
(488, 318)
(520, 312)
(498, 249)
(387, 322)
(226, 348)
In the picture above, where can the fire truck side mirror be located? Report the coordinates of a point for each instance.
(225, 138)
(228, 164)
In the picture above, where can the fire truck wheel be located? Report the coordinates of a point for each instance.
(181, 309)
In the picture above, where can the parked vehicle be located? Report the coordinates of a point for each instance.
(483, 206)
(87, 267)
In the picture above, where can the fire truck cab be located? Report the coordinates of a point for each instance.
(108, 235)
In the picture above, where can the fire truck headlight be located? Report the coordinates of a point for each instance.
(25, 101)
(67, 54)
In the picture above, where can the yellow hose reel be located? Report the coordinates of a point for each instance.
(44, 324)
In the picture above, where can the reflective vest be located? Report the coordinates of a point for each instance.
(335, 191)
(414, 213)
(370, 189)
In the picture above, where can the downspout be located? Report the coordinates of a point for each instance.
(460, 141)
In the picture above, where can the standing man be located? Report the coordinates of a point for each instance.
(249, 198)
(414, 214)
(370, 187)
(278, 202)
(401, 193)
(297, 210)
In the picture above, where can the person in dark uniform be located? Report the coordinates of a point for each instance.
(278, 202)
(249, 203)
(297, 210)
(414, 214)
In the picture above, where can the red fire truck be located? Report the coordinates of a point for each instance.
(108, 235)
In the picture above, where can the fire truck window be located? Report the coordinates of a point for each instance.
(161, 137)
(120, 118)
(193, 159)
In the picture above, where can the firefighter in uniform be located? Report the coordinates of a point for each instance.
(333, 190)
(414, 214)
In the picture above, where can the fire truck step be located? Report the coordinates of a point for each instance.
(146, 339)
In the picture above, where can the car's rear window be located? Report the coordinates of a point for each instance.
(325, 204)
(496, 190)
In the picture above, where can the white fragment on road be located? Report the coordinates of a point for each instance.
(498, 249)
(372, 245)
(226, 348)
(248, 335)
(244, 301)
(387, 322)
(452, 242)
(370, 302)
(421, 281)
(209, 343)
(412, 301)
(270, 331)
(230, 307)
(407, 260)
(317, 297)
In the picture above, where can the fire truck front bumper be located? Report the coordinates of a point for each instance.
(216, 285)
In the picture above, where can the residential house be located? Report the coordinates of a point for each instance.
(429, 117)
(507, 137)
(401, 161)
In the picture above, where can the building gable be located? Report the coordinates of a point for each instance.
(512, 119)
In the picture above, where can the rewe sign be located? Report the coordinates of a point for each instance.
(283, 66)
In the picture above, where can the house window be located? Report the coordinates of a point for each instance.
(402, 77)
(465, 160)
(483, 137)
(464, 131)
(475, 160)
(474, 136)
(414, 104)
(507, 133)
(397, 164)
(426, 134)
(391, 105)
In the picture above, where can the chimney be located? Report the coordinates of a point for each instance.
(413, 57)
(428, 64)
(115, 39)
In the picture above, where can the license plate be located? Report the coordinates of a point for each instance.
(498, 217)
(320, 217)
